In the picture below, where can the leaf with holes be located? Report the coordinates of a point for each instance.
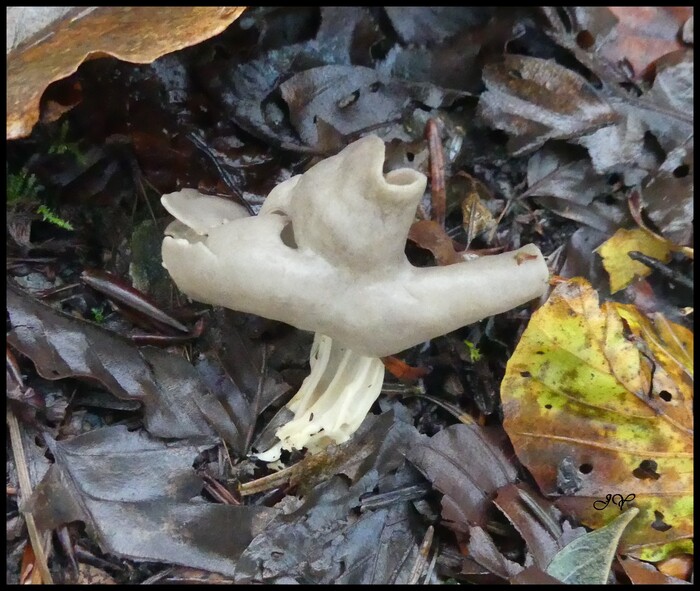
(617, 262)
(535, 100)
(608, 393)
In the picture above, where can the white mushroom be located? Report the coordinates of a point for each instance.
(326, 254)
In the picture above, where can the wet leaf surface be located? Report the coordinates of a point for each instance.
(577, 387)
(615, 253)
(467, 488)
(546, 136)
(175, 402)
(536, 100)
(139, 34)
(132, 491)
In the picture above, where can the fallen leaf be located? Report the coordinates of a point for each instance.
(323, 540)
(176, 403)
(136, 496)
(643, 573)
(401, 370)
(537, 521)
(234, 368)
(355, 99)
(678, 567)
(619, 407)
(666, 110)
(597, 216)
(667, 197)
(91, 575)
(431, 236)
(484, 552)
(535, 100)
(644, 34)
(137, 34)
(422, 25)
(621, 268)
(378, 445)
(476, 217)
(560, 172)
(587, 560)
(467, 486)
(621, 148)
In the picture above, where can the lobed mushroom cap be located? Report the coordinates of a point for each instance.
(326, 254)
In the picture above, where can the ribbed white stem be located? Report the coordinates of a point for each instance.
(333, 400)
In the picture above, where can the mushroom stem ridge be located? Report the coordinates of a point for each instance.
(333, 399)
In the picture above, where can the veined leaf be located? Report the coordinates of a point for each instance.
(581, 390)
(587, 560)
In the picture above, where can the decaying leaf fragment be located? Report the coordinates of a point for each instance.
(176, 402)
(535, 100)
(615, 253)
(136, 496)
(619, 405)
(467, 485)
(137, 34)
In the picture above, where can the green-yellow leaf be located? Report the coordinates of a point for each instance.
(587, 560)
(615, 254)
(608, 391)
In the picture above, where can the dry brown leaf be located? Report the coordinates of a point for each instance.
(645, 33)
(138, 34)
(432, 236)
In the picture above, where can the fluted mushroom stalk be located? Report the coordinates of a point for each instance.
(326, 254)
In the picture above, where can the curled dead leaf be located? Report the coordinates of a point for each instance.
(137, 34)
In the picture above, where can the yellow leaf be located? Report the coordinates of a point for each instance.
(621, 268)
(607, 391)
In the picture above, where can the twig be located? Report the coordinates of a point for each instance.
(267, 482)
(203, 147)
(25, 486)
(258, 395)
(659, 266)
(422, 559)
(431, 568)
(437, 172)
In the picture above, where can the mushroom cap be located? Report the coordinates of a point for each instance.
(326, 254)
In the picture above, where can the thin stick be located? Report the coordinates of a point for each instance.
(422, 559)
(673, 276)
(437, 172)
(25, 487)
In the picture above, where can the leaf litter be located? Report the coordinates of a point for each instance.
(555, 141)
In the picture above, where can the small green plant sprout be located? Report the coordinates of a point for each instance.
(49, 216)
(98, 314)
(474, 353)
(22, 186)
(62, 146)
